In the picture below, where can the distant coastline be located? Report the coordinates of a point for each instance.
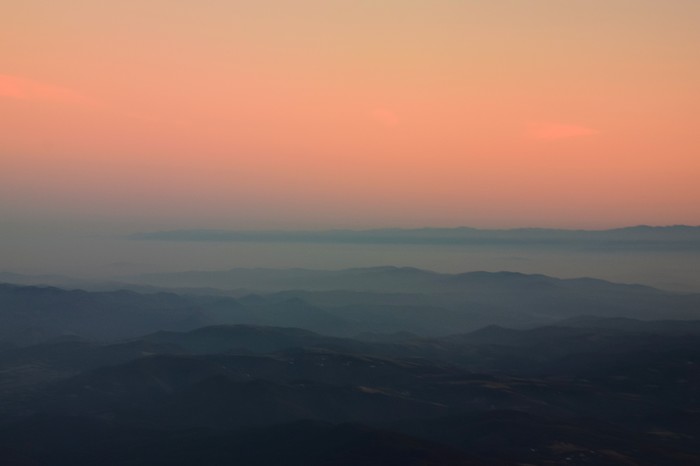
(676, 237)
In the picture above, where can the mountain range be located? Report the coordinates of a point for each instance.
(606, 391)
(677, 237)
(341, 303)
(377, 366)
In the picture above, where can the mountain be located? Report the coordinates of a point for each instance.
(669, 327)
(31, 314)
(519, 438)
(377, 300)
(502, 297)
(608, 393)
(677, 237)
(70, 441)
(378, 280)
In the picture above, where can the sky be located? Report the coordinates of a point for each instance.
(260, 114)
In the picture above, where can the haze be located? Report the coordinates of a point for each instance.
(129, 117)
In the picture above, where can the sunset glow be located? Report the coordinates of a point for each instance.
(324, 114)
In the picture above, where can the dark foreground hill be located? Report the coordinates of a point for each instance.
(81, 442)
(603, 392)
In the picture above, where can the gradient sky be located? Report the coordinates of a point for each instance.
(354, 114)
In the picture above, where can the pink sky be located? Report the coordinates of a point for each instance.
(343, 113)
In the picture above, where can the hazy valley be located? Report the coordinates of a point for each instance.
(375, 365)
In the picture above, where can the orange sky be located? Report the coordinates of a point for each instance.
(363, 113)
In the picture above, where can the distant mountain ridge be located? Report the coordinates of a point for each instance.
(674, 237)
(366, 279)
